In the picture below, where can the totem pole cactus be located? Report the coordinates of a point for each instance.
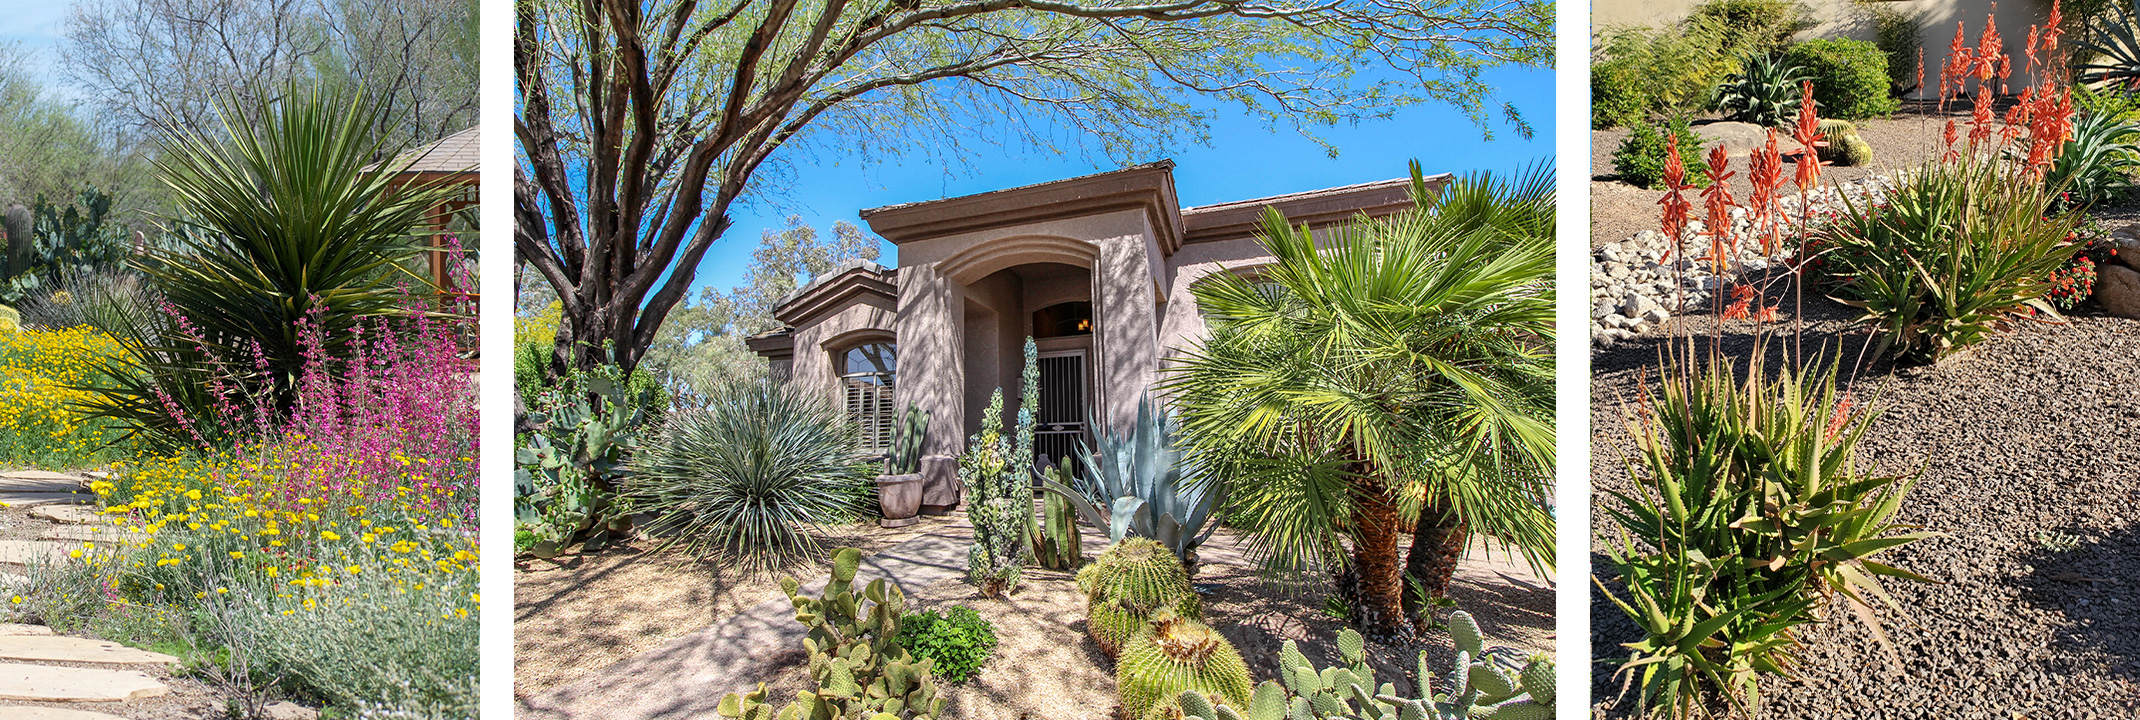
(904, 457)
(20, 238)
(1000, 516)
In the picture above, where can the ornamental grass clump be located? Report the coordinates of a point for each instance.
(1749, 513)
(752, 477)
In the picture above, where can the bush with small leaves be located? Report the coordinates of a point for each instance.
(960, 642)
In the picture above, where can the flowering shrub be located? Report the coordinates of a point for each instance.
(41, 376)
(2073, 283)
(337, 547)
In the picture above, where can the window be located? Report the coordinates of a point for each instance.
(866, 374)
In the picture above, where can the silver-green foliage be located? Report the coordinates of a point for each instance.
(1139, 484)
(562, 477)
(1478, 685)
(750, 477)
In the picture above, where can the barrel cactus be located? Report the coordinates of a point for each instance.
(1128, 585)
(1172, 655)
(1845, 146)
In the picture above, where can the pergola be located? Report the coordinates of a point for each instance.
(452, 160)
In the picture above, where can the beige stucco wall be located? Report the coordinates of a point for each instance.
(816, 342)
(1846, 19)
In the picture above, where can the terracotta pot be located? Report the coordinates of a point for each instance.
(899, 496)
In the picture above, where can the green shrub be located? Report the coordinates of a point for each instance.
(1641, 157)
(960, 642)
(1673, 70)
(1897, 33)
(1617, 96)
(1751, 25)
(1949, 256)
(1748, 513)
(1850, 78)
(748, 478)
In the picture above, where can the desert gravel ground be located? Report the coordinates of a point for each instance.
(2027, 444)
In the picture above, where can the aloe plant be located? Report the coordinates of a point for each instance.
(1139, 485)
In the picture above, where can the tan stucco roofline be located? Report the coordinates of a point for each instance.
(834, 288)
(1240, 218)
(1149, 187)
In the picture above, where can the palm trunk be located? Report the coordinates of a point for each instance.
(1438, 540)
(1378, 609)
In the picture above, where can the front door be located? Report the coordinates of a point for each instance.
(1060, 421)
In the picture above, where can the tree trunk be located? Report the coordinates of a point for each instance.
(1378, 608)
(1438, 540)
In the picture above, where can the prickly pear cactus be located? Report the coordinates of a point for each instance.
(1176, 654)
(1056, 544)
(860, 669)
(1128, 585)
(1478, 687)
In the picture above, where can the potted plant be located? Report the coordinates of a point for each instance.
(899, 489)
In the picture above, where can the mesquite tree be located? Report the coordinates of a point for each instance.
(640, 124)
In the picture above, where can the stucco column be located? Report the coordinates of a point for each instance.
(1127, 331)
(931, 334)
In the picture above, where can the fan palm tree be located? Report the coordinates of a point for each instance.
(1393, 371)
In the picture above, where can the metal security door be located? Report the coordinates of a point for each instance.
(1062, 413)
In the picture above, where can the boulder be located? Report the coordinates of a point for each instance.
(1740, 139)
(2117, 289)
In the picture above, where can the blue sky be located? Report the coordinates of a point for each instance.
(1243, 161)
(35, 27)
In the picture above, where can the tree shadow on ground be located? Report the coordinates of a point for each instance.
(2091, 576)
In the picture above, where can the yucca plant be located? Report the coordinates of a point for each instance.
(1138, 484)
(1385, 377)
(1764, 91)
(749, 478)
(1748, 512)
(284, 222)
(2110, 52)
(1955, 253)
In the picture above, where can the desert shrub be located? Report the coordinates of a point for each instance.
(1850, 78)
(1896, 33)
(1748, 511)
(750, 477)
(1751, 25)
(1640, 158)
(1764, 91)
(1617, 97)
(2072, 283)
(959, 641)
(1949, 256)
(2097, 164)
(1672, 70)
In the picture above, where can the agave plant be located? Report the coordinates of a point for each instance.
(2110, 52)
(1764, 91)
(1138, 484)
(2097, 164)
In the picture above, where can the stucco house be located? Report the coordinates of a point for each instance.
(1096, 268)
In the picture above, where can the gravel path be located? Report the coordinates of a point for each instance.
(2030, 465)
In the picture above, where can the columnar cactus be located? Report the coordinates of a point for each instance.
(860, 669)
(1477, 687)
(904, 457)
(999, 511)
(1173, 655)
(1130, 584)
(1056, 543)
(20, 238)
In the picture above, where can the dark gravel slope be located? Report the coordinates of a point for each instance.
(2030, 448)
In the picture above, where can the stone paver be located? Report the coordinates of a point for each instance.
(40, 481)
(33, 712)
(61, 648)
(33, 499)
(22, 552)
(91, 533)
(66, 684)
(72, 515)
(21, 629)
(687, 677)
